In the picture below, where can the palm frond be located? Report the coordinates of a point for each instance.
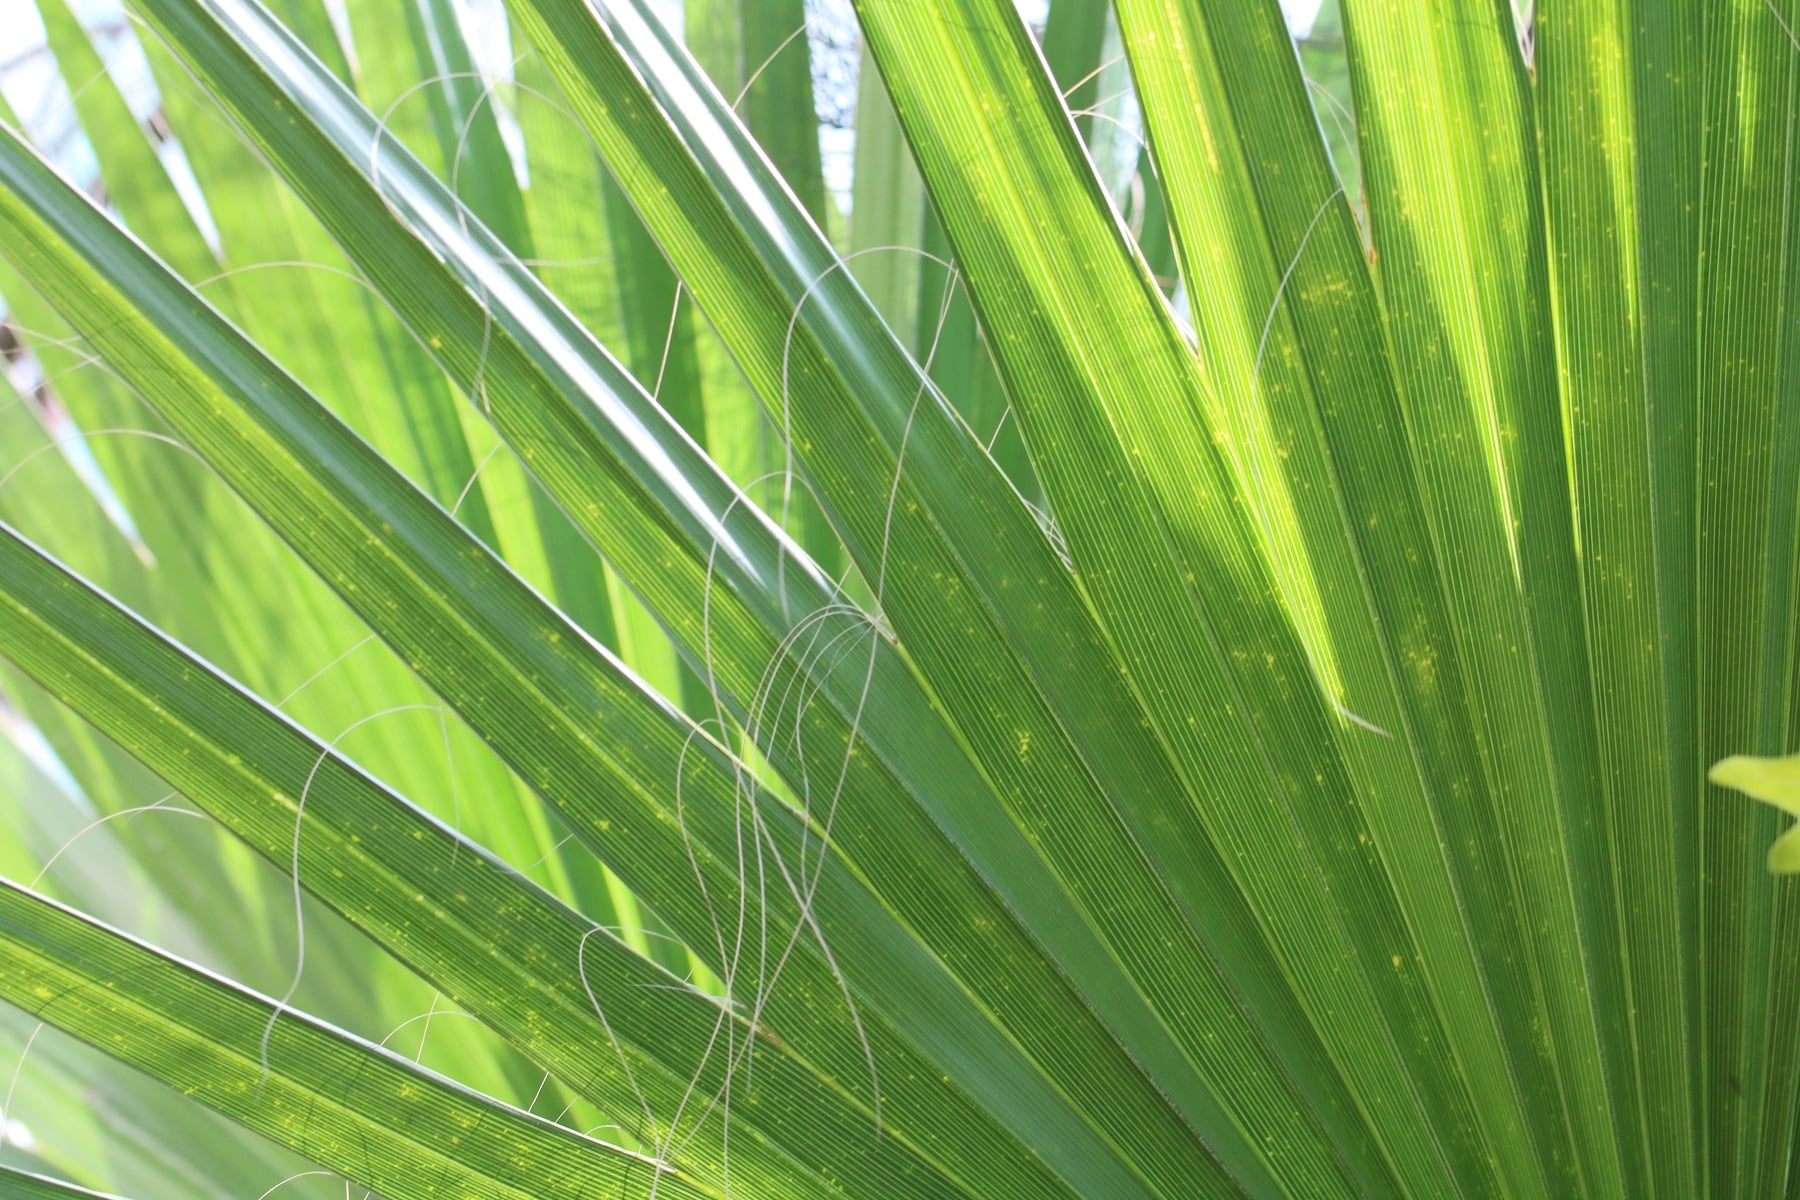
(1172, 649)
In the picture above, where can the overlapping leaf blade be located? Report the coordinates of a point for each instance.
(1342, 812)
(1674, 268)
(1008, 736)
(671, 840)
(1464, 277)
(354, 1107)
(657, 1057)
(1050, 242)
(1480, 448)
(28, 1186)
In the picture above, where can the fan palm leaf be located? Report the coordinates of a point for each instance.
(902, 705)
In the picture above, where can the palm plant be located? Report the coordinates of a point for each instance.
(1208, 701)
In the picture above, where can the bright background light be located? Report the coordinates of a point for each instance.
(29, 79)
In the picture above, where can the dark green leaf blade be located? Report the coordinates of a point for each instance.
(447, 908)
(1450, 163)
(348, 1105)
(23, 1185)
(1307, 586)
(1041, 762)
(561, 709)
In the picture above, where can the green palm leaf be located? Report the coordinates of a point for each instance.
(38, 1187)
(1177, 673)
